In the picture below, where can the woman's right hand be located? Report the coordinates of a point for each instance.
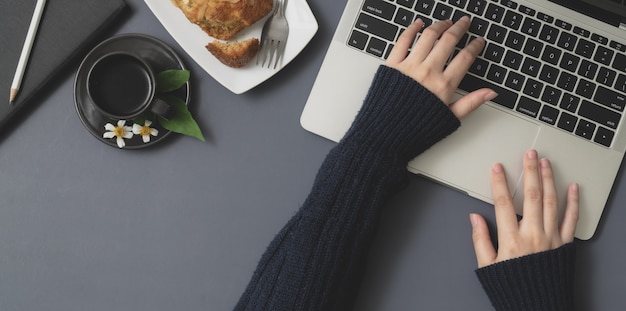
(539, 230)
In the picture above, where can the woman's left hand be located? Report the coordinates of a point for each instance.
(426, 63)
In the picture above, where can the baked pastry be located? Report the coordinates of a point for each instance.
(234, 54)
(222, 19)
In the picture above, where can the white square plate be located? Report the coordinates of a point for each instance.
(302, 27)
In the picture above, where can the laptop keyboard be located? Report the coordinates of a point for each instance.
(542, 67)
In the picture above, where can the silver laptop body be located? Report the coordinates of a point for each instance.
(584, 139)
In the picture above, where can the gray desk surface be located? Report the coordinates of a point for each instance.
(84, 226)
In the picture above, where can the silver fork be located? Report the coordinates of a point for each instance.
(274, 36)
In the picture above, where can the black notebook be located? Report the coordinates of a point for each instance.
(67, 29)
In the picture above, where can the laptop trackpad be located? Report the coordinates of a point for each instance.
(464, 159)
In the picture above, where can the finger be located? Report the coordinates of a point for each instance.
(550, 199)
(427, 39)
(568, 227)
(506, 219)
(483, 246)
(457, 68)
(533, 211)
(470, 102)
(447, 42)
(404, 43)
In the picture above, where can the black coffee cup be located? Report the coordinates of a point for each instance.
(122, 86)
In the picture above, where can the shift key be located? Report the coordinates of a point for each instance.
(505, 97)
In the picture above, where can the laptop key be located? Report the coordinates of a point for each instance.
(505, 98)
(569, 102)
(569, 62)
(563, 24)
(567, 41)
(581, 32)
(376, 47)
(585, 129)
(358, 39)
(531, 67)
(477, 6)
(606, 76)
(533, 88)
(549, 34)
(379, 8)
(404, 17)
(495, 12)
(567, 81)
(494, 52)
(599, 114)
(513, 60)
(587, 69)
(496, 33)
(551, 95)
(406, 3)
(619, 62)
(377, 27)
(478, 26)
(528, 106)
(515, 80)
(567, 122)
(515, 40)
(509, 4)
(458, 3)
(425, 6)
(585, 48)
(549, 74)
(531, 26)
(610, 98)
(585, 88)
(442, 11)
(544, 17)
(533, 47)
(551, 55)
(604, 136)
(512, 20)
(479, 67)
(603, 55)
(496, 73)
(549, 115)
(526, 10)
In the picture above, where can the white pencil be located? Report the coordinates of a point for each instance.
(28, 44)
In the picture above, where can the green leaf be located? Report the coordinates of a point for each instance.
(182, 122)
(170, 80)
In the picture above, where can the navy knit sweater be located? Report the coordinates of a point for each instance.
(316, 261)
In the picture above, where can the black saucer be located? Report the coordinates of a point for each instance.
(155, 52)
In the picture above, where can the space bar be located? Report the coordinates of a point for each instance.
(505, 97)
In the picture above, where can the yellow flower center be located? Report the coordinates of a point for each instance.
(145, 130)
(119, 131)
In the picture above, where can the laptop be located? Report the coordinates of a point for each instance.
(559, 68)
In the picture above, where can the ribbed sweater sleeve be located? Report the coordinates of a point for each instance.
(316, 261)
(537, 282)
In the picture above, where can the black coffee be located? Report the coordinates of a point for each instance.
(120, 85)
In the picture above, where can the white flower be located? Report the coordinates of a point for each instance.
(120, 131)
(145, 130)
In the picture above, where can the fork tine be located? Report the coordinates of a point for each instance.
(280, 47)
(273, 37)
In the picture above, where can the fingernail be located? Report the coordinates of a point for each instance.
(464, 18)
(531, 154)
(497, 168)
(545, 163)
(473, 220)
(489, 96)
(574, 187)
